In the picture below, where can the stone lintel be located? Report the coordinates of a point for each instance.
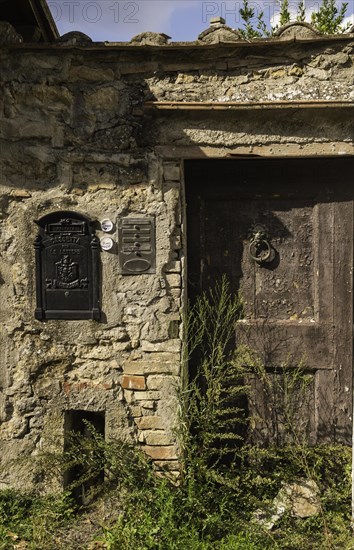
(288, 149)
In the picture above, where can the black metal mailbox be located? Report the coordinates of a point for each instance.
(66, 267)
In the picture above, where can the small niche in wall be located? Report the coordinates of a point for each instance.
(80, 428)
(67, 253)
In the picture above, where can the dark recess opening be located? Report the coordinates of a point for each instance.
(80, 423)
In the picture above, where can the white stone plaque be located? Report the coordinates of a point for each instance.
(106, 243)
(106, 225)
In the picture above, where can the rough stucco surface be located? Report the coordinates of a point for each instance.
(266, 77)
(74, 136)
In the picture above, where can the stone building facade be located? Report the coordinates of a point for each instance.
(115, 131)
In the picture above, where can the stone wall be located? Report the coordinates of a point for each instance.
(75, 135)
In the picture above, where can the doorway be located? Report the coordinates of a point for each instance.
(281, 230)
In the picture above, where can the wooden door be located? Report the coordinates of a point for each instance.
(298, 303)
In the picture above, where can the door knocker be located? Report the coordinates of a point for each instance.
(260, 249)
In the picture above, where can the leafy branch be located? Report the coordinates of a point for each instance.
(327, 19)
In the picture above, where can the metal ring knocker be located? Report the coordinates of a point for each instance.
(260, 249)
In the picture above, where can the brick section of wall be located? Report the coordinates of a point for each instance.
(133, 383)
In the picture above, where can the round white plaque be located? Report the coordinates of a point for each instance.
(106, 243)
(106, 225)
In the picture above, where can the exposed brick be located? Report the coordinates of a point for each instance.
(133, 382)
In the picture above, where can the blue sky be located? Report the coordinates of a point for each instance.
(120, 20)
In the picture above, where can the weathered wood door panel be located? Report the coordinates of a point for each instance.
(298, 308)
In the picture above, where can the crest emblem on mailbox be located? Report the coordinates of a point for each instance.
(67, 271)
(67, 267)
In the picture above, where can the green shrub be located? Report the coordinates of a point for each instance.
(32, 518)
(328, 18)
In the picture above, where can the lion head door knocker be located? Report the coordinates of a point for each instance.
(260, 249)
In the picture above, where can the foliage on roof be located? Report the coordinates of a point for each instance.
(327, 19)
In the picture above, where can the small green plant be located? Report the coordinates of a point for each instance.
(328, 18)
(285, 16)
(248, 17)
(212, 401)
(301, 11)
(32, 519)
